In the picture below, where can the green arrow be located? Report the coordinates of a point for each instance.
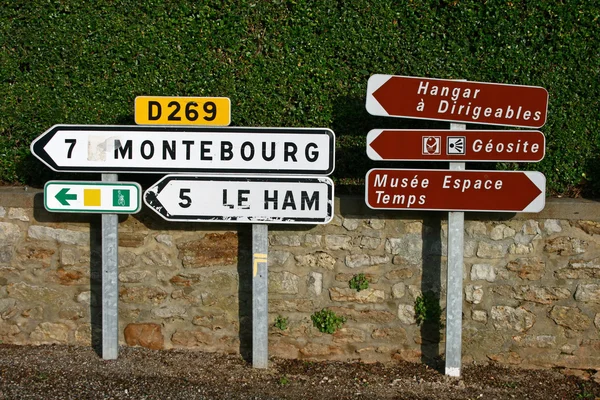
(62, 196)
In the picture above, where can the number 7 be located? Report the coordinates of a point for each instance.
(72, 145)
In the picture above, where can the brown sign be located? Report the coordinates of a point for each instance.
(457, 146)
(444, 190)
(458, 101)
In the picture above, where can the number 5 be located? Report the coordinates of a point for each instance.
(187, 201)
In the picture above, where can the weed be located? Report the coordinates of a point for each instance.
(284, 380)
(359, 282)
(326, 321)
(427, 308)
(281, 322)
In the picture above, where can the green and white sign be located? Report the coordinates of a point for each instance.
(93, 197)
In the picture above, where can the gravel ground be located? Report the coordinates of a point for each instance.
(68, 372)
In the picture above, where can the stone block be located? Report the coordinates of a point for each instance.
(376, 223)
(475, 228)
(485, 272)
(283, 282)
(588, 292)
(156, 258)
(398, 290)
(147, 335)
(580, 269)
(551, 226)
(50, 333)
(473, 293)
(349, 335)
(214, 249)
(399, 274)
(570, 317)
(509, 318)
(589, 227)
(541, 294)
(566, 246)
(285, 240)
(501, 231)
(142, 295)
(9, 233)
(295, 305)
(277, 257)
(338, 242)
(312, 241)
(409, 247)
(65, 236)
(530, 268)
(364, 296)
(365, 260)
(315, 283)
(165, 239)
(319, 259)
(369, 243)
(397, 335)
(364, 316)
(134, 276)
(132, 239)
(491, 250)
(406, 314)
(479, 316)
(169, 311)
(351, 224)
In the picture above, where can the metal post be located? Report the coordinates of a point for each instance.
(260, 301)
(110, 289)
(454, 299)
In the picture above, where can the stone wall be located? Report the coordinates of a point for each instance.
(531, 283)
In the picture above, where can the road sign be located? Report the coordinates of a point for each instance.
(251, 199)
(155, 149)
(455, 100)
(93, 197)
(446, 190)
(457, 146)
(163, 110)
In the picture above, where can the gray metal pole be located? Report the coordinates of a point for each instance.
(454, 297)
(110, 288)
(260, 301)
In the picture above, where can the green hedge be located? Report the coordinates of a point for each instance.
(295, 63)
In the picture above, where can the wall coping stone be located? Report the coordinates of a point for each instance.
(353, 205)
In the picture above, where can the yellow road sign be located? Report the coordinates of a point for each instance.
(164, 110)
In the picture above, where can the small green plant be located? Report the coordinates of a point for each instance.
(427, 308)
(284, 380)
(359, 282)
(281, 322)
(326, 321)
(584, 394)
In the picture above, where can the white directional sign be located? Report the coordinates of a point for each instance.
(93, 197)
(156, 149)
(242, 199)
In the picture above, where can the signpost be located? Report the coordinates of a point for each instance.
(455, 145)
(252, 199)
(443, 190)
(163, 110)
(93, 197)
(457, 101)
(456, 190)
(152, 149)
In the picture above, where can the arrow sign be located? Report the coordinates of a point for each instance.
(457, 146)
(63, 197)
(155, 149)
(457, 101)
(251, 199)
(444, 190)
(93, 197)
